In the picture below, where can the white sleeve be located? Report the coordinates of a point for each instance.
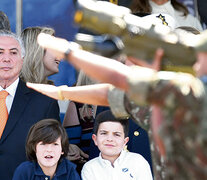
(144, 169)
(86, 173)
(194, 22)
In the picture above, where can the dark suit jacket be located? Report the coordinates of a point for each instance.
(28, 107)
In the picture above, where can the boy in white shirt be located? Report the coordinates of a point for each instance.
(114, 163)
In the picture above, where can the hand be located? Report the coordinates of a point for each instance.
(155, 64)
(46, 89)
(200, 65)
(57, 46)
(76, 154)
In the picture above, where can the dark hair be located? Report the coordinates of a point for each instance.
(143, 6)
(47, 131)
(107, 116)
(140, 6)
(4, 21)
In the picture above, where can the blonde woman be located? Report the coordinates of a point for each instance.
(38, 63)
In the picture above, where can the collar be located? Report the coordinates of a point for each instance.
(12, 88)
(61, 169)
(38, 171)
(117, 162)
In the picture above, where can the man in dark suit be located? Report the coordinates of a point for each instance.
(25, 106)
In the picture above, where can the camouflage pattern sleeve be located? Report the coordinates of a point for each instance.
(182, 129)
(122, 107)
(116, 102)
(163, 88)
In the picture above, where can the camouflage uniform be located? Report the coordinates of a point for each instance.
(183, 131)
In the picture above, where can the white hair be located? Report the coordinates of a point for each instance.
(15, 36)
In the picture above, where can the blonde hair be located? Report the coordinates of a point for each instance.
(83, 79)
(33, 67)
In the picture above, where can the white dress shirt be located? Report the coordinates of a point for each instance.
(128, 166)
(11, 90)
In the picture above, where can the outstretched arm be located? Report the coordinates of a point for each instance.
(90, 94)
(100, 68)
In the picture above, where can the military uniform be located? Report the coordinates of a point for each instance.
(182, 127)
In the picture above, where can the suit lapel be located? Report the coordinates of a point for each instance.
(19, 103)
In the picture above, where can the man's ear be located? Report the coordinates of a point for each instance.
(94, 139)
(126, 139)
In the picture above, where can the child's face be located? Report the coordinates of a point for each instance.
(110, 140)
(48, 155)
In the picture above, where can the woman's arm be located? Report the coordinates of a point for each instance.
(90, 94)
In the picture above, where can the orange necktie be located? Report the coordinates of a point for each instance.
(3, 111)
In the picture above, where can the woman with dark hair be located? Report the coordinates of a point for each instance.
(172, 7)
